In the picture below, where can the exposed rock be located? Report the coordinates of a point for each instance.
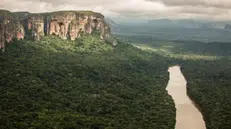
(2, 37)
(58, 24)
(74, 29)
(106, 34)
(36, 26)
(65, 24)
(71, 24)
(110, 39)
(13, 29)
(20, 33)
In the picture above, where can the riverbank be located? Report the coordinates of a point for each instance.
(187, 115)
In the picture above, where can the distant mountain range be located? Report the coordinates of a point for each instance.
(167, 23)
(188, 23)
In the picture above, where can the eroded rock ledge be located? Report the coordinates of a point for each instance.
(65, 24)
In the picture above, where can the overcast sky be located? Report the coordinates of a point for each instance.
(173, 9)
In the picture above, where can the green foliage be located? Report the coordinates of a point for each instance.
(206, 67)
(182, 49)
(5, 13)
(63, 84)
(209, 85)
(69, 12)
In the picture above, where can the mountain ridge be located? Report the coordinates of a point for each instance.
(64, 24)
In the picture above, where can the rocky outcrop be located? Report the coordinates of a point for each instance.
(2, 37)
(35, 26)
(13, 28)
(65, 24)
(10, 27)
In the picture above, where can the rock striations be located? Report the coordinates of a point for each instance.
(65, 24)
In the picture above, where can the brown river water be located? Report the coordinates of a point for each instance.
(187, 115)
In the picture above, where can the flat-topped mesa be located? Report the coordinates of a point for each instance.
(65, 24)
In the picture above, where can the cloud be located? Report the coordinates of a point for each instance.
(196, 9)
(204, 3)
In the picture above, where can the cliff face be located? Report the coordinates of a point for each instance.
(2, 38)
(65, 24)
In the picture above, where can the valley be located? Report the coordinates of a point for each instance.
(71, 70)
(206, 67)
(87, 83)
(187, 114)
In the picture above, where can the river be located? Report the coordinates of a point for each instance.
(187, 115)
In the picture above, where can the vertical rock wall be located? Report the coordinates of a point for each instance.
(36, 26)
(2, 37)
(11, 28)
(65, 24)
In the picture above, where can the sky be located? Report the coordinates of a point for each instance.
(131, 9)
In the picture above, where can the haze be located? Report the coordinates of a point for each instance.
(155, 9)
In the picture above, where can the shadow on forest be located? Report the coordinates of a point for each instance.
(56, 83)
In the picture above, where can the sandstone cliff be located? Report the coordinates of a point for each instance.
(65, 24)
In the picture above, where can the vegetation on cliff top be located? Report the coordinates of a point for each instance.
(86, 83)
(2, 12)
(6, 13)
(75, 11)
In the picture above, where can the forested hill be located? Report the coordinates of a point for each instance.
(64, 24)
(206, 67)
(86, 83)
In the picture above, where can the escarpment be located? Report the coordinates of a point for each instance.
(66, 24)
